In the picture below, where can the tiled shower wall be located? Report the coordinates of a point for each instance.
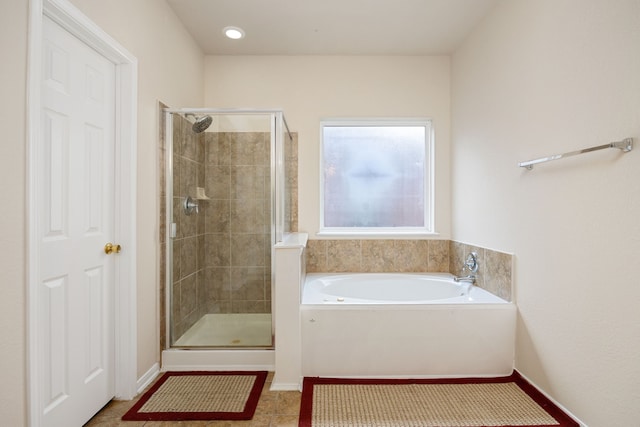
(188, 262)
(332, 256)
(291, 182)
(237, 223)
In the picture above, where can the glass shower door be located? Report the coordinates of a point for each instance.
(222, 229)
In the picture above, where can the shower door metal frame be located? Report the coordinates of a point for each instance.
(278, 127)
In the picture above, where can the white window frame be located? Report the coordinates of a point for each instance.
(429, 182)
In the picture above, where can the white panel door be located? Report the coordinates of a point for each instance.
(75, 193)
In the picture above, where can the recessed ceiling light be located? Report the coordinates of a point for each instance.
(234, 33)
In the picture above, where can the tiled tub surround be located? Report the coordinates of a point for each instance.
(494, 272)
(336, 256)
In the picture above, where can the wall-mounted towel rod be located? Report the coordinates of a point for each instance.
(625, 145)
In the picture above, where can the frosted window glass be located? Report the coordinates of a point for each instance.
(374, 176)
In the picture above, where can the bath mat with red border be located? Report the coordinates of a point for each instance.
(197, 395)
(471, 402)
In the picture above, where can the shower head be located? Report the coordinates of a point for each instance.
(201, 123)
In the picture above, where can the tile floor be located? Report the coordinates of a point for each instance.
(275, 409)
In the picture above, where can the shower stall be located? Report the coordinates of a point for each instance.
(228, 201)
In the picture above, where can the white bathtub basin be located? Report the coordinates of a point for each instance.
(391, 288)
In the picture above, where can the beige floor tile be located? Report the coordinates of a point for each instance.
(175, 424)
(284, 421)
(112, 422)
(266, 406)
(260, 421)
(288, 403)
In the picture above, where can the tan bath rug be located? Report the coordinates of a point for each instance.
(181, 396)
(474, 402)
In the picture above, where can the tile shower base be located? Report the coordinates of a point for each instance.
(229, 330)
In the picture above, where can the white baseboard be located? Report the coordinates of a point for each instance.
(148, 377)
(285, 387)
(555, 402)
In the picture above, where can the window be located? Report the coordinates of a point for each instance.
(376, 177)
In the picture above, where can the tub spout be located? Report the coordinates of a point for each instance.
(467, 279)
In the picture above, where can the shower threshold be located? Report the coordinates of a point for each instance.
(229, 330)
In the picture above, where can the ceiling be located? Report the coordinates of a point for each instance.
(331, 27)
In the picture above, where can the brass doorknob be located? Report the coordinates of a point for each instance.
(109, 248)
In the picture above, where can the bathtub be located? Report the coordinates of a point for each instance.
(403, 325)
(391, 288)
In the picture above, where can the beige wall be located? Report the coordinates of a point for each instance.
(537, 78)
(13, 45)
(309, 88)
(170, 69)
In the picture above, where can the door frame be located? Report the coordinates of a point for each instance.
(125, 310)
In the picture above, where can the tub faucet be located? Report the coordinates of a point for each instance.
(471, 278)
(470, 265)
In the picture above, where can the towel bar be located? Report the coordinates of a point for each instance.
(625, 145)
